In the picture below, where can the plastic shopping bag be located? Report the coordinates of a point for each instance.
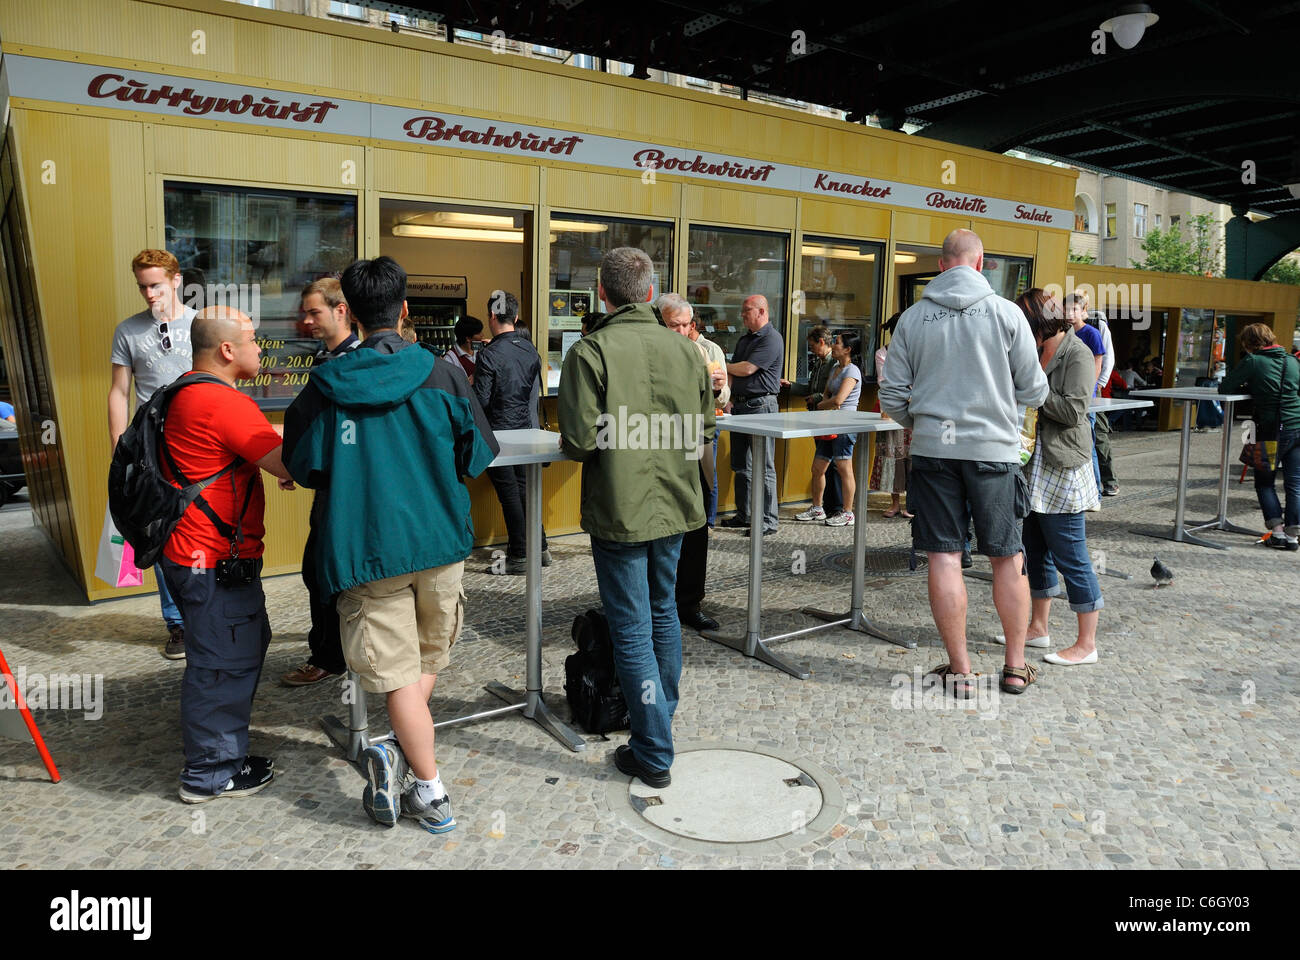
(1028, 433)
(115, 562)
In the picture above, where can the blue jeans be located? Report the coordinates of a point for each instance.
(171, 613)
(637, 584)
(741, 451)
(1060, 541)
(1288, 459)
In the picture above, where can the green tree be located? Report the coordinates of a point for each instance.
(1169, 252)
(1081, 257)
(1285, 270)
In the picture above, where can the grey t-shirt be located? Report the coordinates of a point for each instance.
(136, 344)
(837, 376)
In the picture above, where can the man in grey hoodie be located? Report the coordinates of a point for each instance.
(961, 362)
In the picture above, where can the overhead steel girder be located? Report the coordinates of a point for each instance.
(1251, 248)
(1007, 121)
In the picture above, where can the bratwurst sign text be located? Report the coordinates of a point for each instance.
(60, 81)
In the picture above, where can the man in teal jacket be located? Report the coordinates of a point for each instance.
(387, 434)
(636, 408)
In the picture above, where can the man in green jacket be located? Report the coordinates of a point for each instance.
(636, 409)
(386, 433)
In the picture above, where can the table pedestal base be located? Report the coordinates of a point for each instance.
(1177, 535)
(752, 645)
(532, 706)
(854, 620)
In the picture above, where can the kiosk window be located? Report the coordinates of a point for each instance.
(577, 244)
(256, 249)
(725, 267)
(840, 281)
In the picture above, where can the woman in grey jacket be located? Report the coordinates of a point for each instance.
(1061, 483)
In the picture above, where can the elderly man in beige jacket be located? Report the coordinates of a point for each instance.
(692, 564)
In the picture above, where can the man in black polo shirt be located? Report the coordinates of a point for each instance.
(755, 370)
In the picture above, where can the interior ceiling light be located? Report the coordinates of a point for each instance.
(837, 253)
(449, 218)
(1295, 189)
(905, 258)
(578, 226)
(1129, 24)
(427, 232)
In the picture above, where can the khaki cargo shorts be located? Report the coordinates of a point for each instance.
(398, 628)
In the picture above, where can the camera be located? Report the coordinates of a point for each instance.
(237, 571)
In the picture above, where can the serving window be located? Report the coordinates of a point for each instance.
(255, 249)
(840, 285)
(724, 267)
(578, 242)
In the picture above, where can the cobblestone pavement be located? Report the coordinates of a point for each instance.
(1178, 749)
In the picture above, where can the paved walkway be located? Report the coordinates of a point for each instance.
(1179, 749)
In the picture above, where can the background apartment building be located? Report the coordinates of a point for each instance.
(1113, 215)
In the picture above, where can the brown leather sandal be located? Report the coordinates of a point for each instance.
(961, 685)
(1028, 673)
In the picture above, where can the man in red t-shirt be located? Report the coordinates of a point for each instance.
(213, 561)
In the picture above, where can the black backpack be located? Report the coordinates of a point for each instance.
(590, 680)
(145, 506)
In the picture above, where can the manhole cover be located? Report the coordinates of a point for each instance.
(730, 796)
(883, 562)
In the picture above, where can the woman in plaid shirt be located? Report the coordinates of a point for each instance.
(1061, 483)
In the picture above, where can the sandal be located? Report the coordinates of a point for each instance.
(962, 685)
(1028, 673)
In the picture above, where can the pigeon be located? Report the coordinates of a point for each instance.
(1161, 574)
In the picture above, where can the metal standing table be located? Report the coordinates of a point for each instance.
(531, 449)
(788, 426)
(1190, 396)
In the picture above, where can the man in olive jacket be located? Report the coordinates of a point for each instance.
(636, 408)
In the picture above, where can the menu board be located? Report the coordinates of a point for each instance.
(286, 366)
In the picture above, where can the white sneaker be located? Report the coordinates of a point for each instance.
(812, 513)
(842, 519)
(1043, 641)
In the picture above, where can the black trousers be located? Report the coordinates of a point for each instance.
(511, 489)
(226, 636)
(693, 561)
(324, 638)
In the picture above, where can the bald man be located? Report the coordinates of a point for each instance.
(755, 371)
(213, 560)
(959, 368)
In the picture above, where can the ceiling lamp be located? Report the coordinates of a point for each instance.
(837, 253)
(579, 226)
(1129, 24)
(905, 258)
(426, 232)
(452, 218)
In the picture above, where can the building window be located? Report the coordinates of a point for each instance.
(725, 266)
(578, 243)
(264, 4)
(353, 11)
(840, 280)
(256, 249)
(1174, 220)
(1139, 220)
(1159, 219)
(1110, 221)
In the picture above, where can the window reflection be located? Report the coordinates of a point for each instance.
(725, 267)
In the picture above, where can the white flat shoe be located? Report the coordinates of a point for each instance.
(1061, 661)
(1043, 641)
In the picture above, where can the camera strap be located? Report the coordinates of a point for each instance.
(234, 534)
